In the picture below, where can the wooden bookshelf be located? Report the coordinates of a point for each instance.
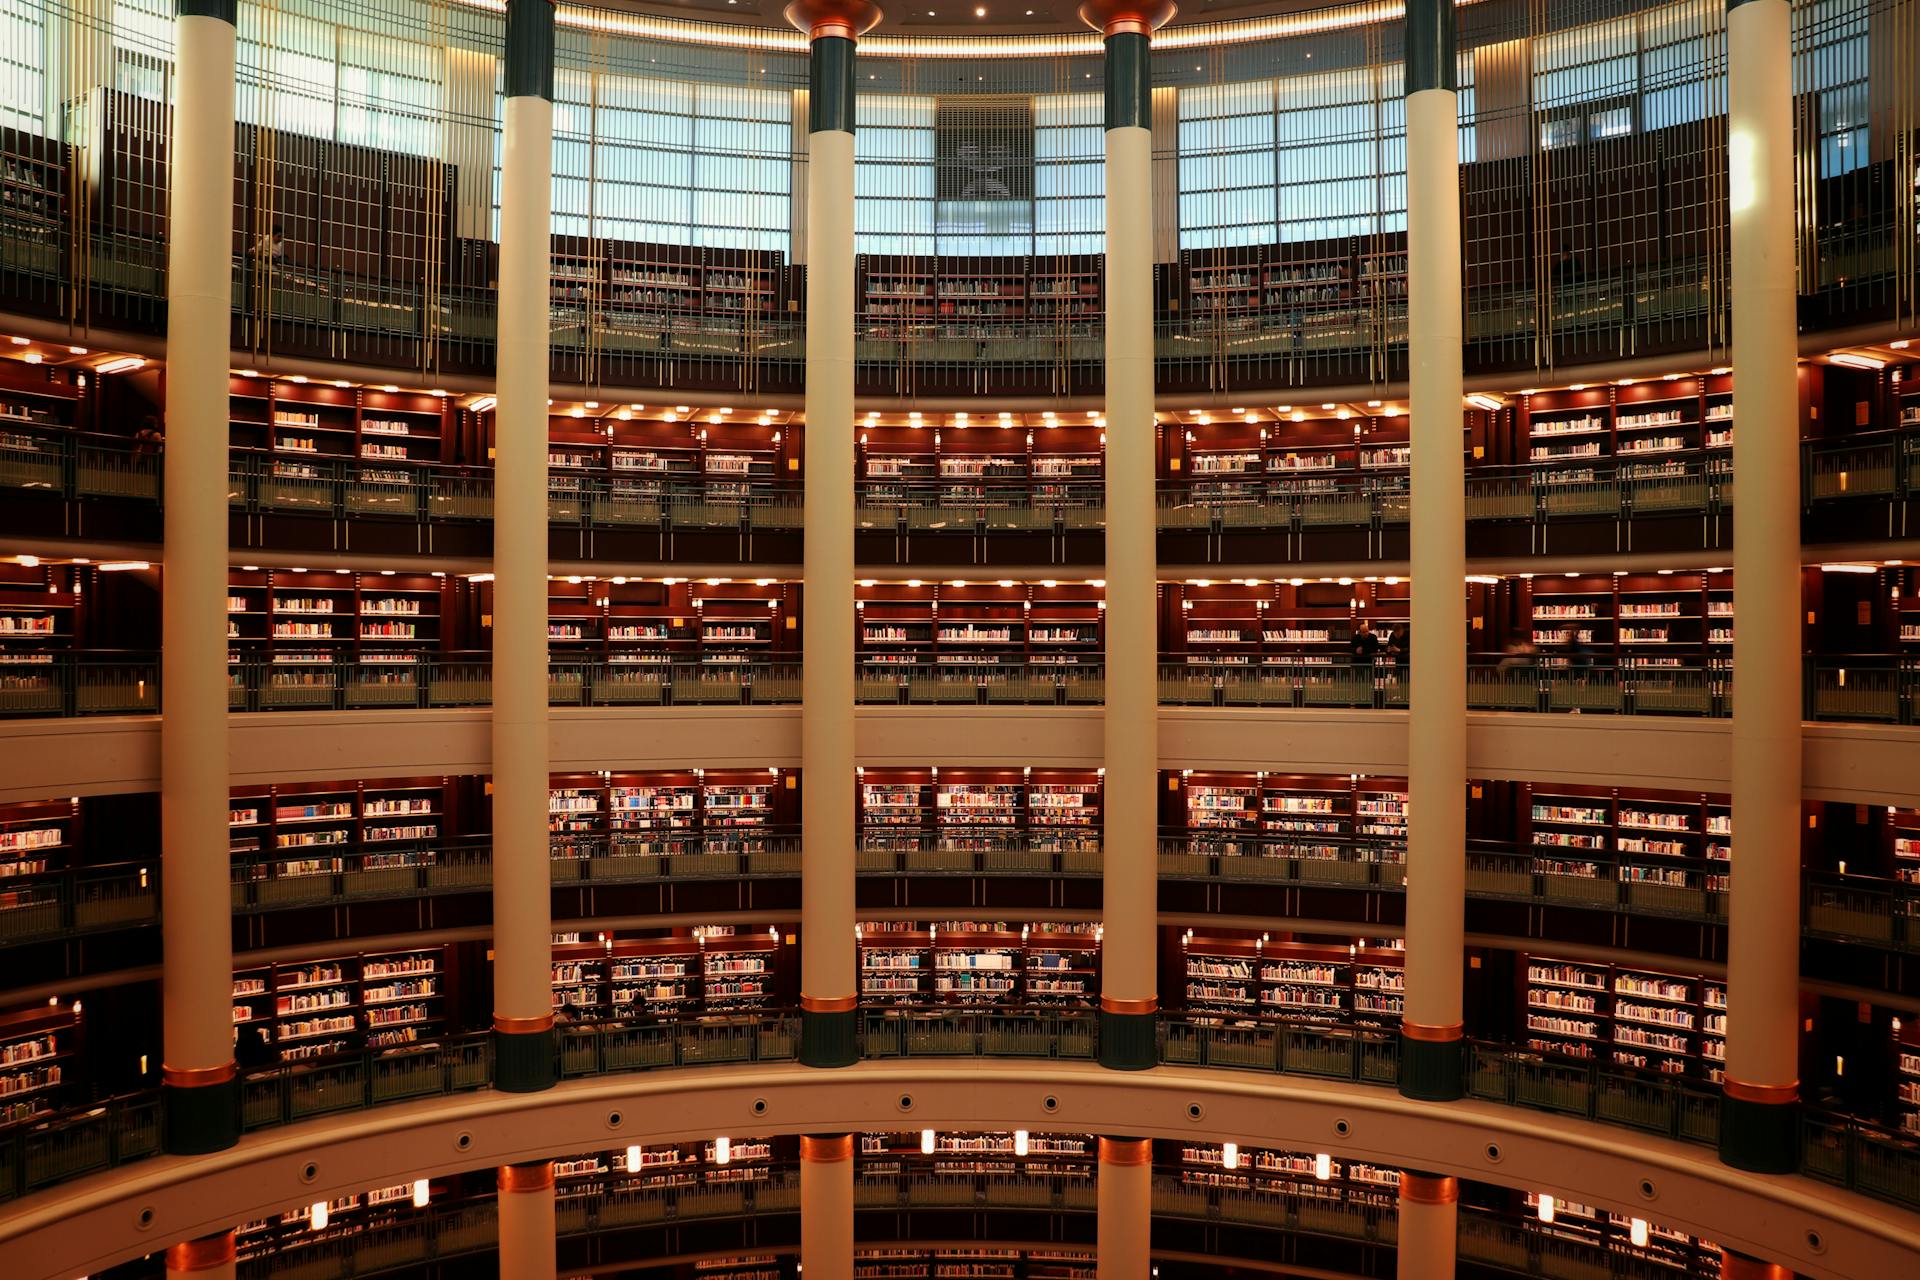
(288, 834)
(37, 1048)
(1670, 1023)
(1245, 978)
(1296, 1173)
(717, 969)
(977, 963)
(344, 1004)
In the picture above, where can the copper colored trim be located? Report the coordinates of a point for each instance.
(849, 19)
(1140, 17)
(1126, 1151)
(527, 1177)
(1738, 1266)
(1419, 1188)
(830, 27)
(522, 1026)
(828, 1004)
(1771, 1095)
(1112, 1004)
(204, 1254)
(826, 1150)
(1433, 1035)
(198, 1077)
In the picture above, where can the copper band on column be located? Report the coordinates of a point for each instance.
(523, 1026)
(1426, 1188)
(828, 1004)
(1126, 17)
(1738, 1266)
(1771, 1095)
(198, 1077)
(1433, 1035)
(1126, 1151)
(526, 1177)
(1112, 1004)
(824, 19)
(204, 1254)
(829, 1149)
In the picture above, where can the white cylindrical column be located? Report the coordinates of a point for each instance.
(1429, 1222)
(200, 1083)
(522, 903)
(1431, 1064)
(1124, 1199)
(1758, 1122)
(826, 1207)
(828, 989)
(208, 1258)
(1129, 974)
(527, 1242)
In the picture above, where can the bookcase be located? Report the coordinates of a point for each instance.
(981, 297)
(1671, 849)
(294, 424)
(976, 963)
(1597, 1228)
(1239, 979)
(1204, 1164)
(287, 840)
(1059, 1155)
(941, 817)
(664, 1165)
(1311, 816)
(636, 625)
(985, 626)
(343, 1004)
(1906, 1077)
(987, 461)
(715, 969)
(1669, 1023)
(37, 1046)
(37, 396)
(36, 837)
(1645, 431)
(896, 294)
(40, 621)
(298, 623)
(1292, 623)
(1645, 622)
(687, 814)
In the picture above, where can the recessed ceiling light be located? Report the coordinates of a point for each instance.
(980, 12)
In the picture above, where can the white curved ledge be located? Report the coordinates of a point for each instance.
(89, 1225)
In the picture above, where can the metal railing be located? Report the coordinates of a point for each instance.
(55, 904)
(1190, 682)
(59, 462)
(99, 683)
(1875, 1161)
(1014, 681)
(1530, 685)
(356, 683)
(1871, 688)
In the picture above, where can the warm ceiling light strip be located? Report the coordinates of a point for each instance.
(1087, 44)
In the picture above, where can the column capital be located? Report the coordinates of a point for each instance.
(1120, 17)
(825, 1148)
(1428, 1188)
(516, 1178)
(846, 19)
(1126, 1151)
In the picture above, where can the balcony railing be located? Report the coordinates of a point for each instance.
(1882, 466)
(1874, 1161)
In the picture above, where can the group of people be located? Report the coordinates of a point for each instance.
(1575, 644)
(1371, 646)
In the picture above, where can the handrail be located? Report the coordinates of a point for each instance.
(1847, 1151)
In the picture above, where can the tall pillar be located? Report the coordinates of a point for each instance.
(1124, 1200)
(200, 1084)
(1429, 1220)
(1129, 1000)
(1758, 1118)
(208, 1258)
(828, 988)
(522, 905)
(826, 1207)
(527, 1243)
(1738, 1266)
(1431, 1058)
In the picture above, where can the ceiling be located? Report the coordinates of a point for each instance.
(951, 17)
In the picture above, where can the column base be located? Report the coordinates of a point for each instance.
(200, 1118)
(1432, 1070)
(1129, 1041)
(1759, 1137)
(829, 1037)
(523, 1061)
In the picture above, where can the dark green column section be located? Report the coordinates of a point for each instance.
(523, 1062)
(830, 86)
(201, 1119)
(1129, 82)
(829, 1039)
(226, 10)
(1129, 1041)
(1759, 1137)
(1735, 4)
(1431, 42)
(530, 49)
(1433, 1070)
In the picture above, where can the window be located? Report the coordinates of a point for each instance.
(1227, 165)
(893, 174)
(1069, 173)
(23, 60)
(1830, 62)
(1585, 81)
